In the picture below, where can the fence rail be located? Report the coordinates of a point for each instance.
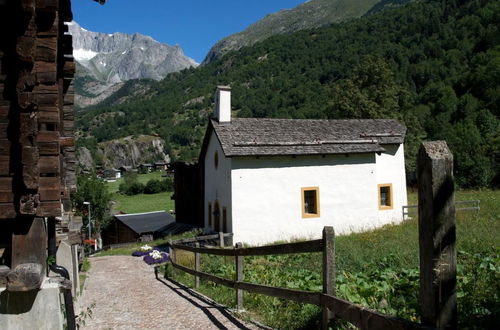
(298, 247)
(475, 202)
(219, 236)
(357, 315)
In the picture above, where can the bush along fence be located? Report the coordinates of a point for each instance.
(437, 258)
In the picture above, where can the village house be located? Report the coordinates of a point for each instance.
(125, 228)
(281, 179)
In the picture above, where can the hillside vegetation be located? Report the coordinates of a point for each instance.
(310, 14)
(435, 65)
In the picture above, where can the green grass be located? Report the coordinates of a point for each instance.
(378, 269)
(143, 202)
(142, 178)
(83, 273)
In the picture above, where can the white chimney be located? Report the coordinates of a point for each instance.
(223, 104)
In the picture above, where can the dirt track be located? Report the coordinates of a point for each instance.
(127, 295)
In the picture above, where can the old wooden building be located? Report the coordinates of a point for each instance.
(37, 152)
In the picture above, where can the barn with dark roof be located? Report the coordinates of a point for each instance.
(280, 179)
(137, 226)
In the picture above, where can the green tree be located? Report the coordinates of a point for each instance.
(94, 190)
(370, 93)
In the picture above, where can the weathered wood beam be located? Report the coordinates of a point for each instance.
(437, 235)
(49, 165)
(50, 189)
(25, 277)
(298, 247)
(329, 272)
(290, 294)
(49, 209)
(7, 211)
(6, 194)
(46, 49)
(29, 254)
(365, 318)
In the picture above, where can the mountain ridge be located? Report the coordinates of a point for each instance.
(106, 61)
(310, 14)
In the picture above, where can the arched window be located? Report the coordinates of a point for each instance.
(210, 224)
(217, 224)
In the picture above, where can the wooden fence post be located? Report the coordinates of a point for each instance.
(221, 239)
(436, 224)
(239, 278)
(171, 251)
(197, 267)
(328, 271)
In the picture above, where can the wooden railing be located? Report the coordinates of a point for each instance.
(359, 316)
(475, 207)
(220, 238)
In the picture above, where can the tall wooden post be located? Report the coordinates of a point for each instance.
(29, 256)
(197, 267)
(239, 278)
(436, 222)
(328, 271)
(171, 251)
(221, 239)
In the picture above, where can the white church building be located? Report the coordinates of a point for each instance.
(270, 180)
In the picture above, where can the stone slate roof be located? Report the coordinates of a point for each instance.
(150, 222)
(273, 137)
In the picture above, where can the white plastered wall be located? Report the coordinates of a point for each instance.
(267, 201)
(391, 169)
(217, 180)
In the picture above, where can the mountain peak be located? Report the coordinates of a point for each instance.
(154, 61)
(105, 60)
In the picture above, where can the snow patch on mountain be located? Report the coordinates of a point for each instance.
(83, 54)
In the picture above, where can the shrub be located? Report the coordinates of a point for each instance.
(134, 189)
(167, 184)
(153, 187)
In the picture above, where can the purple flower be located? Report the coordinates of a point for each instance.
(156, 257)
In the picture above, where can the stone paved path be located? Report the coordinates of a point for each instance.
(127, 295)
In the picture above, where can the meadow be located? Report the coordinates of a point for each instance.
(143, 202)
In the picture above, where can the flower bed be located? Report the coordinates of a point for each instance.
(143, 250)
(156, 257)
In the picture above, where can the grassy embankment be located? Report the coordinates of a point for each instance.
(142, 202)
(83, 273)
(378, 269)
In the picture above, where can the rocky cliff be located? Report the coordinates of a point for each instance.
(128, 151)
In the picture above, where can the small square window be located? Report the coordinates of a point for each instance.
(310, 202)
(385, 196)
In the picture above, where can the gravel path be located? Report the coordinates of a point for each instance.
(127, 295)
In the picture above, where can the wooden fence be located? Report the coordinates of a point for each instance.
(359, 316)
(475, 207)
(437, 238)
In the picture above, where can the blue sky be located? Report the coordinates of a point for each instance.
(193, 24)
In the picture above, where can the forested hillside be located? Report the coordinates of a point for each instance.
(434, 65)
